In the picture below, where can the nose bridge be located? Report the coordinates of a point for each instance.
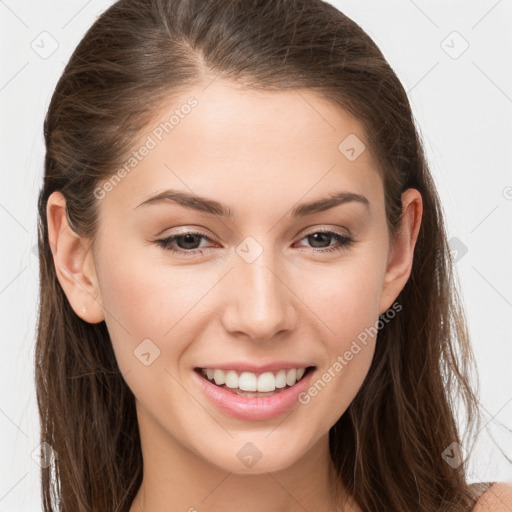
(260, 303)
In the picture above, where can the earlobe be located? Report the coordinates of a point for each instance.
(74, 262)
(401, 252)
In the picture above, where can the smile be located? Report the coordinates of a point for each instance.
(254, 384)
(254, 396)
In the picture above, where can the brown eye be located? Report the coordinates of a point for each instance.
(318, 239)
(187, 243)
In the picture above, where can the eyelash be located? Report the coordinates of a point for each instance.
(344, 242)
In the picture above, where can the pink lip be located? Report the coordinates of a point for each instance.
(259, 408)
(248, 367)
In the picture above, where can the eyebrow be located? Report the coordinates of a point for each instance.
(213, 207)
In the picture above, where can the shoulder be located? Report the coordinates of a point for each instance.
(497, 498)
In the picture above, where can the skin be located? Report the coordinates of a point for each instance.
(260, 154)
(497, 498)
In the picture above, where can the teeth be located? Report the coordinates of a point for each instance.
(218, 377)
(291, 377)
(248, 381)
(281, 379)
(266, 382)
(231, 379)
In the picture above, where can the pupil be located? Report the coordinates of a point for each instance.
(187, 241)
(315, 239)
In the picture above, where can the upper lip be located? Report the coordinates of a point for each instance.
(254, 368)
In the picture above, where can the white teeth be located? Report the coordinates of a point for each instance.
(248, 381)
(231, 379)
(291, 377)
(266, 382)
(218, 377)
(281, 379)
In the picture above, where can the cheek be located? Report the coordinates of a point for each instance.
(346, 295)
(349, 356)
(346, 300)
(146, 300)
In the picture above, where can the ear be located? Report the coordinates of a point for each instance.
(74, 262)
(401, 250)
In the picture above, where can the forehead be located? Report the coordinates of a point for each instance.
(241, 145)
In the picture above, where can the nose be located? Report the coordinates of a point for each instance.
(259, 303)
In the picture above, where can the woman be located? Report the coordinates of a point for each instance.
(199, 348)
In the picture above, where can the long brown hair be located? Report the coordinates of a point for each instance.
(388, 446)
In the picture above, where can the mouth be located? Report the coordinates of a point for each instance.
(255, 385)
(250, 396)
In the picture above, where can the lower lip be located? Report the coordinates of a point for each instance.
(256, 408)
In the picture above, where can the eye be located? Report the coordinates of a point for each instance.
(188, 242)
(344, 241)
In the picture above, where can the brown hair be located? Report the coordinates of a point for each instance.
(388, 445)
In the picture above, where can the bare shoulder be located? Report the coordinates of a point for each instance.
(497, 498)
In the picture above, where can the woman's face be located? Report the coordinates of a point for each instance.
(254, 290)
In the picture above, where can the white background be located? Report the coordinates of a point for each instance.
(463, 106)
